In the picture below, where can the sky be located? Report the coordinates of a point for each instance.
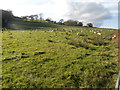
(102, 13)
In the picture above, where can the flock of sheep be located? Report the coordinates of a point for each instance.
(95, 31)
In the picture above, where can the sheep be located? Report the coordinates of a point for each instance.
(114, 37)
(99, 33)
(94, 32)
(71, 30)
(78, 34)
(44, 30)
(67, 31)
(22, 31)
(52, 30)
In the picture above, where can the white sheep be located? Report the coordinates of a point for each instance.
(52, 30)
(77, 33)
(99, 33)
(94, 32)
(44, 30)
(114, 37)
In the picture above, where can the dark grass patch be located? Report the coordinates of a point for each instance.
(100, 43)
(81, 44)
(67, 38)
(24, 56)
(46, 60)
(11, 58)
(12, 51)
(50, 41)
(39, 53)
(82, 34)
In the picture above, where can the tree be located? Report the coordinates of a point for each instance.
(41, 16)
(7, 17)
(70, 22)
(31, 17)
(80, 24)
(90, 25)
(49, 19)
(24, 17)
(36, 17)
(61, 21)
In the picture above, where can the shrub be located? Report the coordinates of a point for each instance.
(90, 25)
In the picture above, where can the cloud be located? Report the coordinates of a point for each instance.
(88, 12)
(56, 9)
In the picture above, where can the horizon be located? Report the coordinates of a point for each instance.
(104, 13)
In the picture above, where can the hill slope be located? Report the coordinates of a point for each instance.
(19, 24)
(59, 57)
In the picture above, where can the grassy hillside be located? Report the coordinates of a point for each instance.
(19, 24)
(66, 57)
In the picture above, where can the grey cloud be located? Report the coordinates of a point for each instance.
(88, 12)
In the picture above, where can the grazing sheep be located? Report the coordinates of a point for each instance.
(52, 30)
(78, 34)
(71, 30)
(94, 32)
(99, 33)
(44, 30)
(67, 31)
(114, 37)
(22, 31)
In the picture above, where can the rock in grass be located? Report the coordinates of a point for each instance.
(39, 53)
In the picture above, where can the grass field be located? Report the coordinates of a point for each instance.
(59, 57)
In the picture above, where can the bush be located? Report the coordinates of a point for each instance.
(90, 25)
(70, 23)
